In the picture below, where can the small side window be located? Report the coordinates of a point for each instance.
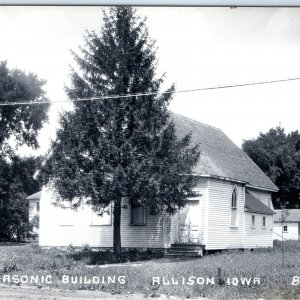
(138, 215)
(234, 208)
(264, 221)
(38, 206)
(253, 220)
(285, 228)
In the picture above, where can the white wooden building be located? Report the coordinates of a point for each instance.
(233, 210)
(290, 228)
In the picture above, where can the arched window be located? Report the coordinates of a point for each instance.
(234, 208)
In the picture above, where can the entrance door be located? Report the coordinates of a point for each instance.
(188, 223)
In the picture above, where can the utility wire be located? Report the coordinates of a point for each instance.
(151, 93)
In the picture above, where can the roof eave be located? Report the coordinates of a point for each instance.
(286, 221)
(261, 188)
(222, 178)
(247, 184)
(259, 212)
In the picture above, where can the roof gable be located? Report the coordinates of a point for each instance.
(220, 157)
(35, 196)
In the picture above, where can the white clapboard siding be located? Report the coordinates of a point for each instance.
(203, 189)
(174, 229)
(149, 236)
(220, 235)
(292, 232)
(62, 227)
(258, 236)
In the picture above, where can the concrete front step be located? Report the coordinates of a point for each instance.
(187, 245)
(185, 250)
(171, 250)
(183, 255)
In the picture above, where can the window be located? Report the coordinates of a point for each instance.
(285, 228)
(138, 215)
(38, 206)
(103, 218)
(253, 220)
(264, 221)
(234, 209)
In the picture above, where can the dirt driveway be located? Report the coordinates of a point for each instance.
(13, 292)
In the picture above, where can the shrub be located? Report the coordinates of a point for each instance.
(86, 248)
(10, 266)
(70, 251)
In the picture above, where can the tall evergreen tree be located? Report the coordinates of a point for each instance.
(120, 150)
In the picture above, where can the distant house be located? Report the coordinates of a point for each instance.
(233, 210)
(290, 229)
(34, 210)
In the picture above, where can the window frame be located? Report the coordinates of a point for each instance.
(285, 226)
(144, 213)
(234, 207)
(264, 222)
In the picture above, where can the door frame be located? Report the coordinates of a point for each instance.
(190, 204)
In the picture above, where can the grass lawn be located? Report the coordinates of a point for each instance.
(137, 277)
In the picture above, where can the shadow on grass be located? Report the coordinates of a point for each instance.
(90, 256)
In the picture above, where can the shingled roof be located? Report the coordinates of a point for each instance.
(254, 205)
(294, 215)
(35, 196)
(220, 157)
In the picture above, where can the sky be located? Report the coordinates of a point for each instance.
(198, 47)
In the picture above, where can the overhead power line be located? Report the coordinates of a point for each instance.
(151, 93)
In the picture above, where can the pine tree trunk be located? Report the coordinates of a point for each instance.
(117, 229)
